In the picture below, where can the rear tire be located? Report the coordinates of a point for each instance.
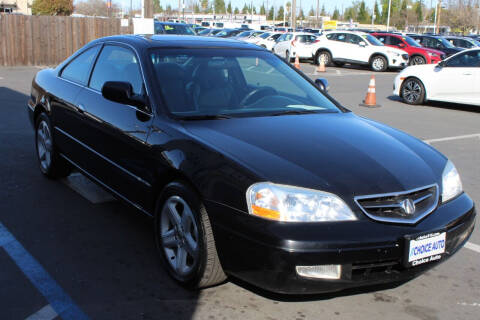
(184, 238)
(379, 64)
(52, 165)
(412, 91)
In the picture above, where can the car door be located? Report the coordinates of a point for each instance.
(356, 48)
(66, 116)
(337, 45)
(279, 44)
(455, 81)
(115, 134)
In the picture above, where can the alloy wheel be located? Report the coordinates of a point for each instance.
(412, 91)
(417, 60)
(179, 233)
(378, 64)
(325, 58)
(44, 145)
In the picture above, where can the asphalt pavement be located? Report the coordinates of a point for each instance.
(69, 251)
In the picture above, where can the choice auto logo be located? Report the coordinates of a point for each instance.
(408, 206)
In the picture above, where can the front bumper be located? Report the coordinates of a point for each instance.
(265, 253)
(400, 61)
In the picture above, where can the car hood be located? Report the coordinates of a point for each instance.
(339, 153)
(388, 49)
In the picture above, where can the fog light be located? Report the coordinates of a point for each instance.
(329, 271)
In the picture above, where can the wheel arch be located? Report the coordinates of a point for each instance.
(321, 50)
(375, 54)
(425, 99)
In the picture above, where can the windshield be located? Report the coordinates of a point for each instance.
(233, 83)
(372, 40)
(445, 43)
(244, 34)
(411, 42)
(476, 42)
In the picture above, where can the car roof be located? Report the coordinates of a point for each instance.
(178, 41)
(360, 33)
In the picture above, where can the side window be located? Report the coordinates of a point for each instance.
(289, 37)
(117, 64)
(464, 44)
(332, 36)
(282, 37)
(353, 39)
(394, 41)
(77, 70)
(465, 60)
(341, 37)
(382, 39)
(275, 36)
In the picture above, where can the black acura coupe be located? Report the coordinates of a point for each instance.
(248, 167)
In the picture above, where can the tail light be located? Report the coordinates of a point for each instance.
(316, 41)
(293, 43)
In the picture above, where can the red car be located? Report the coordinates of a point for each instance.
(417, 53)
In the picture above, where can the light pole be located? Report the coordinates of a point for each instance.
(388, 16)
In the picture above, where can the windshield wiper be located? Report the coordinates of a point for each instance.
(206, 117)
(288, 112)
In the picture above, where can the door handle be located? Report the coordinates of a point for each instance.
(81, 108)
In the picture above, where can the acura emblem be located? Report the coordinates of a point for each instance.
(408, 206)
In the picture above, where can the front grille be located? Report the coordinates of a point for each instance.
(405, 56)
(365, 271)
(407, 207)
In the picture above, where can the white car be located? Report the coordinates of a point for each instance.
(291, 44)
(267, 40)
(456, 79)
(361, 48)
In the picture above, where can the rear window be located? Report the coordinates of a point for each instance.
(305, 38)
(176, 29)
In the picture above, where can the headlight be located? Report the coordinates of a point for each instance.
(432, 54)
(294, 204)
(396, 54)
(451, 183)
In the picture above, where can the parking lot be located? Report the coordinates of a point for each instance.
(69, 251)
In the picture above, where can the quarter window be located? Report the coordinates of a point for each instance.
(77, 70)
(465, 60)
(394, 41)
(117, 64)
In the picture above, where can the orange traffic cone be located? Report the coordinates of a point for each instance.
(321, 66)
(371, 98)
(297, 62)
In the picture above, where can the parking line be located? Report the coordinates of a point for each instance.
(46, 313)
(39, 277)
(472, 246)
(467, 136)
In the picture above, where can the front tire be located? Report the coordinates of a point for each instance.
(52, 165)
(416, 60)
(184, 238)
(327, 58)
(379, 64)
(413, 91)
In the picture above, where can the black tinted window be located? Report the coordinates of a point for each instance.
(466, 60)
(354, 39)
(117, 64)
(77, 70)
(394, 41)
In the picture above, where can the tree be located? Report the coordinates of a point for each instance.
(311, 13)
(419, 10)
(236, 11)
(196, 8)
(363, 16)
(219, 6)
(229, 8)
(323, 13)
(336, 14)
(157, 8)
(378, 16)
(262, 9)
(204, 5)
(271, 13)
(280, 13)
(52, 7)
(95, 8)
(245, 9)
(301, 16)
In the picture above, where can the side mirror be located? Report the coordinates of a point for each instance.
(322, 83)
(122, 92)
(441, 64)
(362, 44)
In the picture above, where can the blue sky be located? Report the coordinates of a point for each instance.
(306, 4)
